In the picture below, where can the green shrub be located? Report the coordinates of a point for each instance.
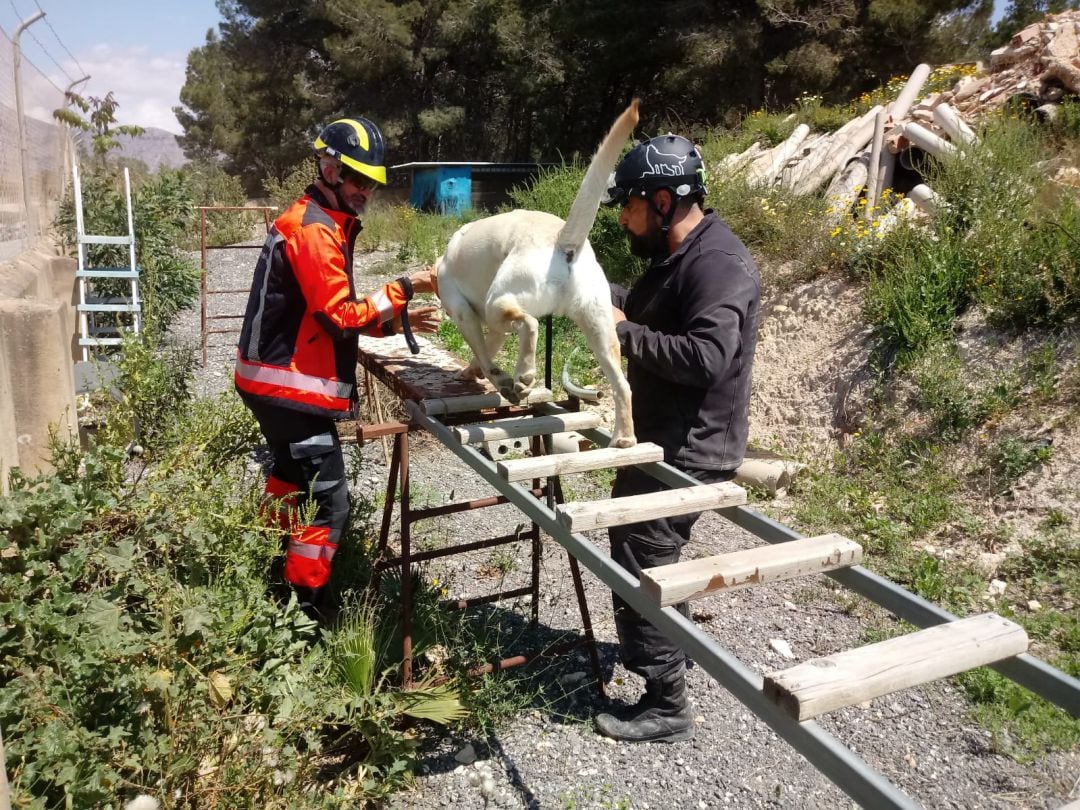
(283, 193)
(417, 237)
(213, 186)
(916, 287)
(140, 651)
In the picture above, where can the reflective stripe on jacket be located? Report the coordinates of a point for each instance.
(298, 343)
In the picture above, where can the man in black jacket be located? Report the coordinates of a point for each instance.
(687, 328)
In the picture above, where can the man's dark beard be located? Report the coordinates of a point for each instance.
(650, 246)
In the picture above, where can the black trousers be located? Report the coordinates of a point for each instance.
(309, 461)
(645, 650)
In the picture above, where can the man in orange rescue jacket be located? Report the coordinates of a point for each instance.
(296, 361)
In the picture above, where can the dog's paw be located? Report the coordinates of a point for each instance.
(470, 372)
(509, 391)
(623, 441)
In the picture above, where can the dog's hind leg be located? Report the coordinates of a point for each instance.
(600, 334)
(505, 313)
(527, 328)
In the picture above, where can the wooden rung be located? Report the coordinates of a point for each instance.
(854, 676)
(526, 426)
(522, 469)
(580, 517)
(692, 579)
(478, 402)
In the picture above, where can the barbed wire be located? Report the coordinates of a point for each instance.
(19, 15)
(82, 72)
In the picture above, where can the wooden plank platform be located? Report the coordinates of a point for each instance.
(522, 469)
(477, 402)
(692, 579)
(521, 427)
(586, 515)
(431, 374)
(854, 676)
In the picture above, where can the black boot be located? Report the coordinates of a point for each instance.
(664, 714)
(312, 601)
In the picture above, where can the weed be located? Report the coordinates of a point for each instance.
(1012, 456)
(1023, 725)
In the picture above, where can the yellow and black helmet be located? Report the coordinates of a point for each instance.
(358, 144)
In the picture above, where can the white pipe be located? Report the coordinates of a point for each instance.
(949, 120)
(873, 172)
(847, 185)
(847, 141)
(925, 198)
(897, 111)
(784, 152)
(927, 140)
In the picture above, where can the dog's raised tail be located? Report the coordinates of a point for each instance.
(587, 202)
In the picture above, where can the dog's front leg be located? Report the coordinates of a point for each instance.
(484, 348)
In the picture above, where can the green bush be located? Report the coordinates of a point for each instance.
(213, 186)
(284, 193)
(140, 651)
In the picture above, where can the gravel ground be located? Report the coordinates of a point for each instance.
(548, 756)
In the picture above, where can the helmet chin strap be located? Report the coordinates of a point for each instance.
(665, 218)
(334, 186)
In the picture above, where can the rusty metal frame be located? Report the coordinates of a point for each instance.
(204, 284)
(398, 489)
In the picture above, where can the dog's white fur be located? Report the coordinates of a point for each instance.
(505, 271)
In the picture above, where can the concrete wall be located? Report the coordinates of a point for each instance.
(37, 351)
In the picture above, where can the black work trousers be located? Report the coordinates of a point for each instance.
(309, 465)
(645, 650)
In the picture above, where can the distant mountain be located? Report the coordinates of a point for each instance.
(155, 147)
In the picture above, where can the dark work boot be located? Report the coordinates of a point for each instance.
(663, 715)
(311, 601)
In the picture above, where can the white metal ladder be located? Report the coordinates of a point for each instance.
(90, 333)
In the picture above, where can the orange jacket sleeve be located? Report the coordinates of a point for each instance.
(319, 264)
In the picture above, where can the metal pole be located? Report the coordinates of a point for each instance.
(24, 161)
(65, 153)
(846, 770)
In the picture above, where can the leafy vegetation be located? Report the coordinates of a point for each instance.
(141, 651)
(100, 122)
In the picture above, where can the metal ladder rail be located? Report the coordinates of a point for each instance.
(826, 753)
(86, 340)
(1026, 670)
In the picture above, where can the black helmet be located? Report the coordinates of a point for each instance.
(357, 144)
(669, 161)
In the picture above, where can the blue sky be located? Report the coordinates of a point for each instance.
(136, 48)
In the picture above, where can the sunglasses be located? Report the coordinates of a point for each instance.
(616, 196)
(361, 181)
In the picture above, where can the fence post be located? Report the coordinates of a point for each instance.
(24, 161)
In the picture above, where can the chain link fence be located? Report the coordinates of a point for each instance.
(45, 153)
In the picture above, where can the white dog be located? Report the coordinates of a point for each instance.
(504, 272)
